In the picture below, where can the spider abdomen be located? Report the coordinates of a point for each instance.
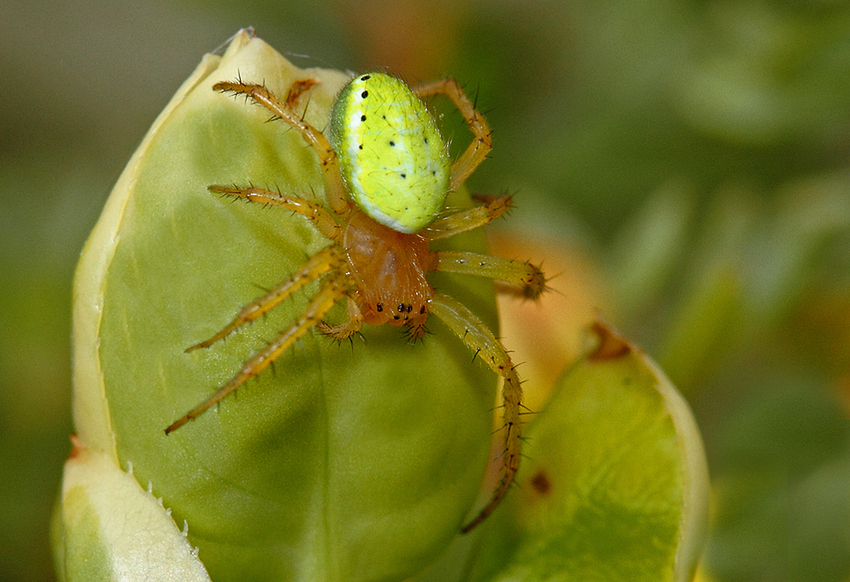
(389, 269)
(391, 155)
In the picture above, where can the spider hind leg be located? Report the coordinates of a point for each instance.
(314, 212)
(482, 143)
(261, 95)
(478, 216)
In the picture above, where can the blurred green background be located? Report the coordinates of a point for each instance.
(693, 153)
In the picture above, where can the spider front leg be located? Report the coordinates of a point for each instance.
(319, 306)
(519, 278)
(334, 188)
(317, 266)
(477, 151)
(481, 340)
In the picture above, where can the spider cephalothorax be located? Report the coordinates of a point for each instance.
(389, 268)
(386, 173)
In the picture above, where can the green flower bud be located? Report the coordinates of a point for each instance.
(614, 486)
(345, 463)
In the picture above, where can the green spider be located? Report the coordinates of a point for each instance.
(387, 173)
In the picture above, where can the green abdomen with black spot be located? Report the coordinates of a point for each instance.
(392, 157)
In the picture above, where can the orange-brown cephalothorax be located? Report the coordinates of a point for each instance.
(389, 269)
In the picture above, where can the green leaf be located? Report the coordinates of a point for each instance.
(614, 485)
(348, 463)
(111, 529)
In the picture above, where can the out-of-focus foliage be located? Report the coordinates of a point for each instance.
(615, 485)
(687, 161)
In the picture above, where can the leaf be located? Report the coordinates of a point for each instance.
(614, 486)
(111, 529)
(348, 463)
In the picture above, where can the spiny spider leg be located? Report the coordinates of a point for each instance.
(468, 219)
(334, 289)
(481, 340)
(320, 217)
(523, 279)
(319, 264)
(478, 149)
(334, 188)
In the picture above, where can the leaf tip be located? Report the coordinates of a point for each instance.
(611, 345)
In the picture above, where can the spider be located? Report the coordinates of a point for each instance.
(386, 173)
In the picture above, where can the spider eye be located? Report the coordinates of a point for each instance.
(394, 175)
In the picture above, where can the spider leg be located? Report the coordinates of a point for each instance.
(320, 217)
(468, 219)
(334, 189)
(333, 290)
(318, 265)
(483, 142)
(347, 329)
(519, 278)
(481, 340)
